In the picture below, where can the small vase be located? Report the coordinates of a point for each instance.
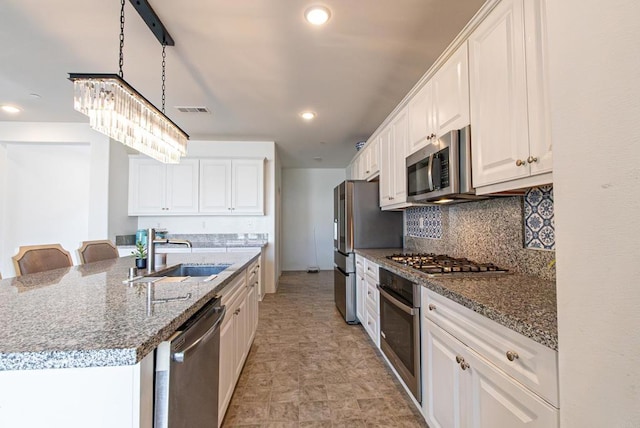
(141, 263)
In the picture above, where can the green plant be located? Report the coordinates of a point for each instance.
(140, 251)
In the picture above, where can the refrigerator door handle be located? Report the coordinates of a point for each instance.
(335, 230)
(341, 271)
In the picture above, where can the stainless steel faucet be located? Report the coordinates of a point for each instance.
(151, 247)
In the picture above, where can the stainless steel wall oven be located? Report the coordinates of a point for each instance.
(400, 327)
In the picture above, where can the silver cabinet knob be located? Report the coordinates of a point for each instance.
(428, 137)
(464, 365)
(432, 307)
(520, 162)
(531, 159)
(433, 136)
(512, 355)
(459, 359)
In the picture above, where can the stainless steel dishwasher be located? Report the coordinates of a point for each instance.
(186, 373)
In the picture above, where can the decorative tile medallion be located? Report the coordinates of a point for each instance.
(424, 222)
(539, 225)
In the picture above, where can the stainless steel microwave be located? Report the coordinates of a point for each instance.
(441, 172)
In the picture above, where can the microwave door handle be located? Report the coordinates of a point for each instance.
(430, 172)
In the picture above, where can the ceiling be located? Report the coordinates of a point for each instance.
(255, 64)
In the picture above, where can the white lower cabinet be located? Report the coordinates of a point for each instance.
(462, 389)
(236, 334)
(465, 386)
(372, 302)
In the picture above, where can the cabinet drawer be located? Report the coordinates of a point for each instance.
(252, 273)
(233, 292)
(372, 296)
(360, 262)
(371, 269)
(533, 365)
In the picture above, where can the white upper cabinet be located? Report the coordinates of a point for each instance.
(420, 110)
(393, 177)
(451, 93)
(215, 186)
(442, 104)
(159, 189)
(196, 186)
(509, 107)
(232, 186)
(247, 186)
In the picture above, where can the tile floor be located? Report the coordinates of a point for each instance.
(308, 368)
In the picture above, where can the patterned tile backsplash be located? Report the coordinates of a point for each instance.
(431, 222)
(539, 225)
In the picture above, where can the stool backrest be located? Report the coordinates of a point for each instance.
(40, 258)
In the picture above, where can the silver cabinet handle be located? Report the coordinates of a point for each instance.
(520, 162)
(459, 359)
(512, 355)
(432, 307)
(464, 365)
(531, 159)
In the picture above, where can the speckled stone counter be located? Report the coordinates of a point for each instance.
(85, 316)
(525, 304)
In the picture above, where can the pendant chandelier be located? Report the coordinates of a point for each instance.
(117, 110)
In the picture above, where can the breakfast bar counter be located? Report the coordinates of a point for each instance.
(84, 316)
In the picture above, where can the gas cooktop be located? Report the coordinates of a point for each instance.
(440, 264)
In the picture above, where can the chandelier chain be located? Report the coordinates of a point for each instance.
(164, 64)
(121, 59)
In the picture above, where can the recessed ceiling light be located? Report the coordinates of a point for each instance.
(10, 109)
(317, 15)
(308, 115)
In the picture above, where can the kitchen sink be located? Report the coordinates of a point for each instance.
(193, 270)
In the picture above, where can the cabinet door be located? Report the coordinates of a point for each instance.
(451, 93)
(498, 89)
(387, 170)
(247, 187)
(444, 382)
(399, 155)
(420, 117)
(215, 186)
(252, 313)
(373, 158)
(496, 400)
(182, 187)
(147, 183)
(360, 299)
(227, 365)
(540, 148)
(241, 332)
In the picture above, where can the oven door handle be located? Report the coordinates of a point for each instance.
(397, 303)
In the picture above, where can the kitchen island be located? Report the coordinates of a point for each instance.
(76, 344)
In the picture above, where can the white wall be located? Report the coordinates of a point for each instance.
(595, 102)
(119, 221)
(55, 186)
(232, 224)
(307, 205)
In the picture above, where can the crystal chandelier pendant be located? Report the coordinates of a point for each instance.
(119, 111)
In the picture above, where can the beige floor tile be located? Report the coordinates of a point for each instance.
(308, 368)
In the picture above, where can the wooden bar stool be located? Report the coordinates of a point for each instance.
(94, 251)
(40, 258)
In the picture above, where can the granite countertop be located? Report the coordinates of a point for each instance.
(523, 303)
(84, 316)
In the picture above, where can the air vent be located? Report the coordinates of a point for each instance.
(191, 109)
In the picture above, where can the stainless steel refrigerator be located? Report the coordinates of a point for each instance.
(358, 222)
